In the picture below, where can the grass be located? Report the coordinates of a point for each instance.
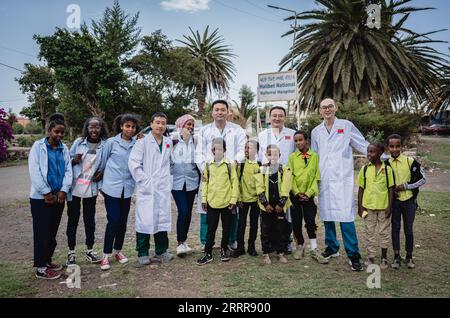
(14, 163)
(438, 152)
(15, 281)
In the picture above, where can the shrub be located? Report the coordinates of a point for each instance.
(33, 128)
(17, 129)
(5, 134)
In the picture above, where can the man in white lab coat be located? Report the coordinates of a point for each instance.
(235, 140)
(283, 137)
(149, 165)
(334, 139)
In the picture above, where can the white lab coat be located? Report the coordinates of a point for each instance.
(336, 197)
(150, 169)
(285, 141)
(235, 139)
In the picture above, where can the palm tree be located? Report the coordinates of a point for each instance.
(336, 54)
(216, 59)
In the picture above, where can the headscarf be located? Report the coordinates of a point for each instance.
(180, 122)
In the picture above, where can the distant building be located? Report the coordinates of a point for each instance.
(23, 121)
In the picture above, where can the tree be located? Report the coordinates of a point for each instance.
(166, 77)
(39, 83)
(117, 32)
(215, 57)
(245, 108)
(337, 54)
(6, 134)
(84, 67)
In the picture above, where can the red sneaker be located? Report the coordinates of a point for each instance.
(122, 259)
(104, 264)
(54, 267)
(48, 274)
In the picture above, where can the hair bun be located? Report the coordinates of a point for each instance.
(56, 117)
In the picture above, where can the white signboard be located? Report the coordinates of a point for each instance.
(276, 87)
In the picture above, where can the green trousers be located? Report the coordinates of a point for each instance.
(143, 243)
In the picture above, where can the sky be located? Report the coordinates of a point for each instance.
(251, 28)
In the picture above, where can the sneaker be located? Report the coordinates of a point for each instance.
(384, 263)
(355, 263)
(252, 252)
(187, 248)
(122, 259)
(71, 259)
(328, 253)
(224, 255)
(181, 250)
(318, 257)
(54, 267)
(48, 274)
(396, 263)
(104, 264)
(237, 253)
(369, 262)
(410, 263)
(143, 260)
(282, 259)
(288, 250)
(207, 258)
(233, 246)
(266, 259)
(299, 252)
(165, 257)
(93, 258)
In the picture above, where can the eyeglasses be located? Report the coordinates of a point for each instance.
(327, 107)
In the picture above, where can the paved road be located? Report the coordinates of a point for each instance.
(14, 184)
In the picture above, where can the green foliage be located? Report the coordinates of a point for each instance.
(34, 128)
(17, 129)
(27, 141)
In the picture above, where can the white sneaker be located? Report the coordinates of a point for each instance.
(181, 250)
(188, 249)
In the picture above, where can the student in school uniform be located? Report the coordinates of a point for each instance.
(220, 191)
(273, 185)
(149, 164)
(375, 196)
(248, 200)
(117, 186)
(51, 179)
(408, 177)
(304, 165)
(86, 156)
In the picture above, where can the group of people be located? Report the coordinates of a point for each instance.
(275, 179)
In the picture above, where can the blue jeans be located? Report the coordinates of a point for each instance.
(349, 236)
(117, 210)
(184, 201)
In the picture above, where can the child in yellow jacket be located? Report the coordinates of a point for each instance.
(273, 185)
(304, 164)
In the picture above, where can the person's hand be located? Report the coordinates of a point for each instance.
(140, 135)
(400, 188)
(279, 209)
(60, 197)
(303, 197)
(205, 207)
(231, 206)
(97, 176)
(49, 198)
(77, 159)
(269, 208)
(360, 211)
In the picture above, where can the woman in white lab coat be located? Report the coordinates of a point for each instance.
(149, 164)
(334, 140)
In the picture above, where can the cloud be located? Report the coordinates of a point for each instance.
(185, 5)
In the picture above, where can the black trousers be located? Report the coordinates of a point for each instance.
(273, 232)
(73, 213)
(212, 219)
(407, 210)
(303, 210)
(242, 224)
(46, 219)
